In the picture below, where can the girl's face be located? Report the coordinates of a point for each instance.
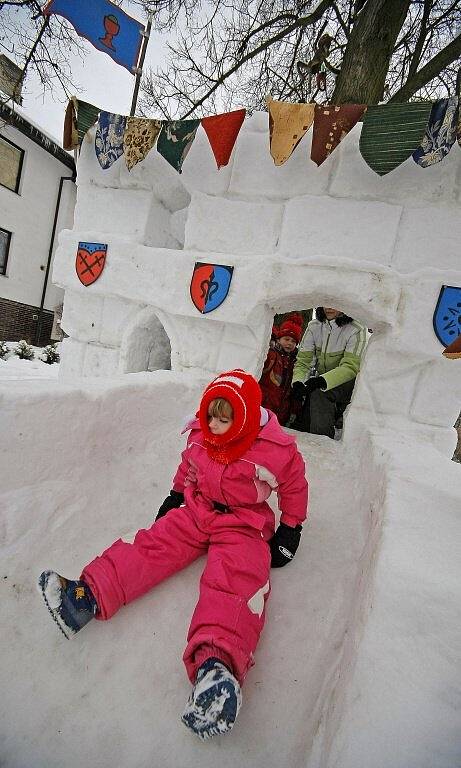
(218, 425)
(287, 343)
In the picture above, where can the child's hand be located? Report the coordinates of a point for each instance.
(173, 501)
(284, 544)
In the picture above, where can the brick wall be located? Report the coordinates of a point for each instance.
(19, 321)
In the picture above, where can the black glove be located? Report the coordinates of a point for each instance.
(173, 501)
(298, 390)
(284, 544)
(315, 382)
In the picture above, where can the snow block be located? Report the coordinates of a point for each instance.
(354, 178)
(117, 313)
(156, 175)
(82, 315)
(204, 352)
(178, 226)
(125, 213)
(254, 172)
(344, 228)
(88, 169)
(414, 331)
(232, 226)
(72, 354)
(443, 375)
(158, 228)
(101, 361)
(200, 173)
(427, 235)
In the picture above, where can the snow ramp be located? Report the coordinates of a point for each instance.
(335, 676)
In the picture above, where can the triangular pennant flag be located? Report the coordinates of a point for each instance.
(139, 138)
(287, 125)
(440, 132)
(331, 125)
(109, 138)
(222, 132)
(391, 133)
(453, 351)
(175, 141)
(79, 118)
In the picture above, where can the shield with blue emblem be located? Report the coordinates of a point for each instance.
(209, 285)
(447, 315)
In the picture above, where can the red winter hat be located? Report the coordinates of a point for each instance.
(242, 391)
(292, 326)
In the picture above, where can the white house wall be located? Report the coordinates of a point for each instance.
(29, 216)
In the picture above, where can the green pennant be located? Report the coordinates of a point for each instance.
(391, 133)
(80, 116)
(175, 140)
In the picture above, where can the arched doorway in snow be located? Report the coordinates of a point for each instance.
(145, 344)
(278, 368)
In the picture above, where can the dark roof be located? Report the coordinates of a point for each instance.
(22, 124)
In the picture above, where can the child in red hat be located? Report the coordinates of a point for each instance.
(236, 455)
(275, 381)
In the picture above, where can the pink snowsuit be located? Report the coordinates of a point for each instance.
(234, 586)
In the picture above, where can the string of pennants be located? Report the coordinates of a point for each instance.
(390, 134)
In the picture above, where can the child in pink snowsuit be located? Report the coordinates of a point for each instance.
(236, 455)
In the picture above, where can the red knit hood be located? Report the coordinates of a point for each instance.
(242, 391)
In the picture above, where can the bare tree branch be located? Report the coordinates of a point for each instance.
(446, 56)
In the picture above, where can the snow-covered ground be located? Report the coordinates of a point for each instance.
(12, 368)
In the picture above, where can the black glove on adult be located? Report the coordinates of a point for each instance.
(173, 501)
(298, 390)
(284, 544)
(315, 382)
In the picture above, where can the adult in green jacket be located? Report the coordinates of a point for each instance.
(324, 374)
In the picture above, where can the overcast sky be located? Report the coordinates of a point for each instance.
(103, 82)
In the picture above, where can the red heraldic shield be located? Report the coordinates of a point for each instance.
(90, 261)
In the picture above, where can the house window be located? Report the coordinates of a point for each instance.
(5, 238)
(11, 158)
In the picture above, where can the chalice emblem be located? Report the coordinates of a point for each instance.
(112, 28)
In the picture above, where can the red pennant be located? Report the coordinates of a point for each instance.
(222, 132)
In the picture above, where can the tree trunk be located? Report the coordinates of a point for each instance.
(369, 51)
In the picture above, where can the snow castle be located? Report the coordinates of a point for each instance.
(357, 665)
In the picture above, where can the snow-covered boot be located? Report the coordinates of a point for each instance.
(214, 702)
(71, 603)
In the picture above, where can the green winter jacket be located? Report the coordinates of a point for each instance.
(335, 352)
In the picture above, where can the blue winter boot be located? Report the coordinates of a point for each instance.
(71, 603)
(214, 702)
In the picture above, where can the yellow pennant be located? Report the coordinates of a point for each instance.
(139, 138)
(287, 125)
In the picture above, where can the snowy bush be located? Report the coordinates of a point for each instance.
(23, 350)
(50, 354)
(3, 350)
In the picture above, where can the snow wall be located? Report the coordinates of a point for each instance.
(357, 664)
